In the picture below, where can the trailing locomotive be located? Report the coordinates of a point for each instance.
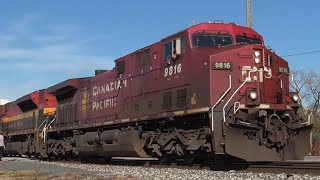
(20, 120)
(210, 91)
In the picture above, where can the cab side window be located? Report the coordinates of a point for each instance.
(168, 51)
(175, 47)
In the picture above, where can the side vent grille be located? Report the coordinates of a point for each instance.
(167, 100)
(181, 98)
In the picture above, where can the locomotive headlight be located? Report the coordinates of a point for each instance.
(295, 98)
(253, 95)
(256, 53)
(256, 56)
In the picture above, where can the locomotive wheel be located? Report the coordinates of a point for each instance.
(166, 159)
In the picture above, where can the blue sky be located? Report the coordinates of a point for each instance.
(46, 42)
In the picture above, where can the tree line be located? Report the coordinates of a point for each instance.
(307, 84)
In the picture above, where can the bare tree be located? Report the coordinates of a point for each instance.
(307, 84)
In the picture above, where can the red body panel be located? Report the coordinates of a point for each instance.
(11, 110)
(201, 92)
(27, 112)
(2, 110)
(151, 87)
(131, 94)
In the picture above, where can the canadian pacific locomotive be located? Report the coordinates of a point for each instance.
(212, 90)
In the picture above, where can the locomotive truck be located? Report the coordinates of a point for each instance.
(212, 90)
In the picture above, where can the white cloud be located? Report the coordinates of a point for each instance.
(29, 46)
(61, 46)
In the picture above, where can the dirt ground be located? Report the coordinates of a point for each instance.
(16, 175)
(33, 175)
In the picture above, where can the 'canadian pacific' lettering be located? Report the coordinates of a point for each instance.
(96, 90)
(104, 104)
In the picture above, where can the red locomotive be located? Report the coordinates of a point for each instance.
(212, 90)
(21, 118)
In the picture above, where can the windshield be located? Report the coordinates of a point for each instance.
(211, 40)
(244, 40)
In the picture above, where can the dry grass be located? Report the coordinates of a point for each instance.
(10, 175)
(34, 175)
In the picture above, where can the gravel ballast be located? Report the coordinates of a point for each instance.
(16, 168)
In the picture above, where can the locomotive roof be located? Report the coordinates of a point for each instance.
(27, 97)
(66, 85)
(216, 26)
(29, 101)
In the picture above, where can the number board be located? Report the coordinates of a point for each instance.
(172, 70)
(283, 70)
(222, 66)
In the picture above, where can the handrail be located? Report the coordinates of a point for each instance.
(55, 117)
(309, 120)
(244, 82)
(42, 123)
(301, 102)
(44, 133)
(44, 130)
(236, 107)
(298, 93)
(219, 100)
(224, 107)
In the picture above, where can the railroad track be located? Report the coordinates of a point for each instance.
(289, 167)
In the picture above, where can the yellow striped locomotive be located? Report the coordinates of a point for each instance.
(20, 118)
(210, 91)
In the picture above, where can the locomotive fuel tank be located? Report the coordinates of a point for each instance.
(111, 143)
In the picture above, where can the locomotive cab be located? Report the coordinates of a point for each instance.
(252, 110)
